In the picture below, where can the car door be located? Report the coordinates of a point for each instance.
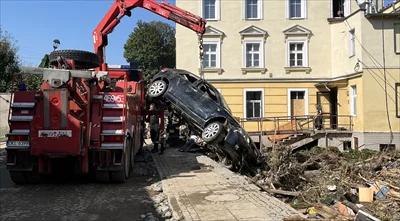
(190, 100)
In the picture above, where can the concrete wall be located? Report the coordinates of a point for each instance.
(4, 106)
(372, 140)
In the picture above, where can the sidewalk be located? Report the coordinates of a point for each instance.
(198, 188)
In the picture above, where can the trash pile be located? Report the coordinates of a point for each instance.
(326, 183)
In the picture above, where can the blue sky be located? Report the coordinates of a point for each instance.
(34, 24)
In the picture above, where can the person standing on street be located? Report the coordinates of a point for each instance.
(156, 122)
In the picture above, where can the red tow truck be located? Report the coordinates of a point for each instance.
(86, 115)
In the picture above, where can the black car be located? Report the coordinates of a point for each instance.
(205, 110)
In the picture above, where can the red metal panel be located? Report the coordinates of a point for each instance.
(55, 146)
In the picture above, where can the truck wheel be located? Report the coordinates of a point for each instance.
(18, 177)
(24, 177)
(132, 157)
(122, 175)
(157, 88)
(213, 132)
(83, 59)
(32, 177)
(102, 176)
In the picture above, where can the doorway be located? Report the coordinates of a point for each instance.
(328, 103)
(298, 102)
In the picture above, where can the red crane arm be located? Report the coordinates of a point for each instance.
(120, 8)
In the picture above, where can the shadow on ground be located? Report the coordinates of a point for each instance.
(75, 198)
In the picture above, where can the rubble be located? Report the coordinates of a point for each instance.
(344, 184)
(160, 202)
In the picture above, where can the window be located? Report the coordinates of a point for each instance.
(254, 103)
(337, 8)
(253, 9)
(352, 43)
(297, 101)
(353, 100)
(299, 95)
(397, 38)
(210, 9)
(297, 54)
(211, 55)
(296, 8)
(253, 54)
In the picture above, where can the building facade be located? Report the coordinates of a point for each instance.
(288, 59)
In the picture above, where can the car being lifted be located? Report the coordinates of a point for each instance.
(206, 112)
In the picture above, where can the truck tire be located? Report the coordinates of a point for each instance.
(83, 59)
(24, 177)
(102, 176)
(122, 175)
(132, 156)
(18, 177)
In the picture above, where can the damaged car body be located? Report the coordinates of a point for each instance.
(205, 111)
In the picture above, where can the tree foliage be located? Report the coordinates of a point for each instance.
(8, 61)
(45, 62)
(151, 46)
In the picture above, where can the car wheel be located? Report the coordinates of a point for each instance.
(157, 88)
(212, 132)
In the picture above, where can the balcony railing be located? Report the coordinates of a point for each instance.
(297, 124)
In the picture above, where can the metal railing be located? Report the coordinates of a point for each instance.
(297, 124)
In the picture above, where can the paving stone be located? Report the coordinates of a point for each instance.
(215, 193)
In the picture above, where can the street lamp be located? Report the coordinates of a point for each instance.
(56, 44)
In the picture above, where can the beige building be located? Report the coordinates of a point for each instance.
(284, 60)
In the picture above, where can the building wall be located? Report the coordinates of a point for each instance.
(374, 100)
(342, 62)
(328, 58)
(274, 22)
(275, 99)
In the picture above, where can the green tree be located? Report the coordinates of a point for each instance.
(45, 62)
(8, 61)
(151, 46)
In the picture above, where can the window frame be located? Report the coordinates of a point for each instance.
(305, 53)
(352, 43)
(353, 105)
(289, 97)
(396, 31)
(262, 53)
(303, 10)
(260, 10)
(217, 10)
(218, 53)
(245, 101)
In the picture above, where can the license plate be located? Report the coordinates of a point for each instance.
(55, 133)
(18, 143)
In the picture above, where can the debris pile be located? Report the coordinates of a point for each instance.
(160, 202)
(330, 184)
